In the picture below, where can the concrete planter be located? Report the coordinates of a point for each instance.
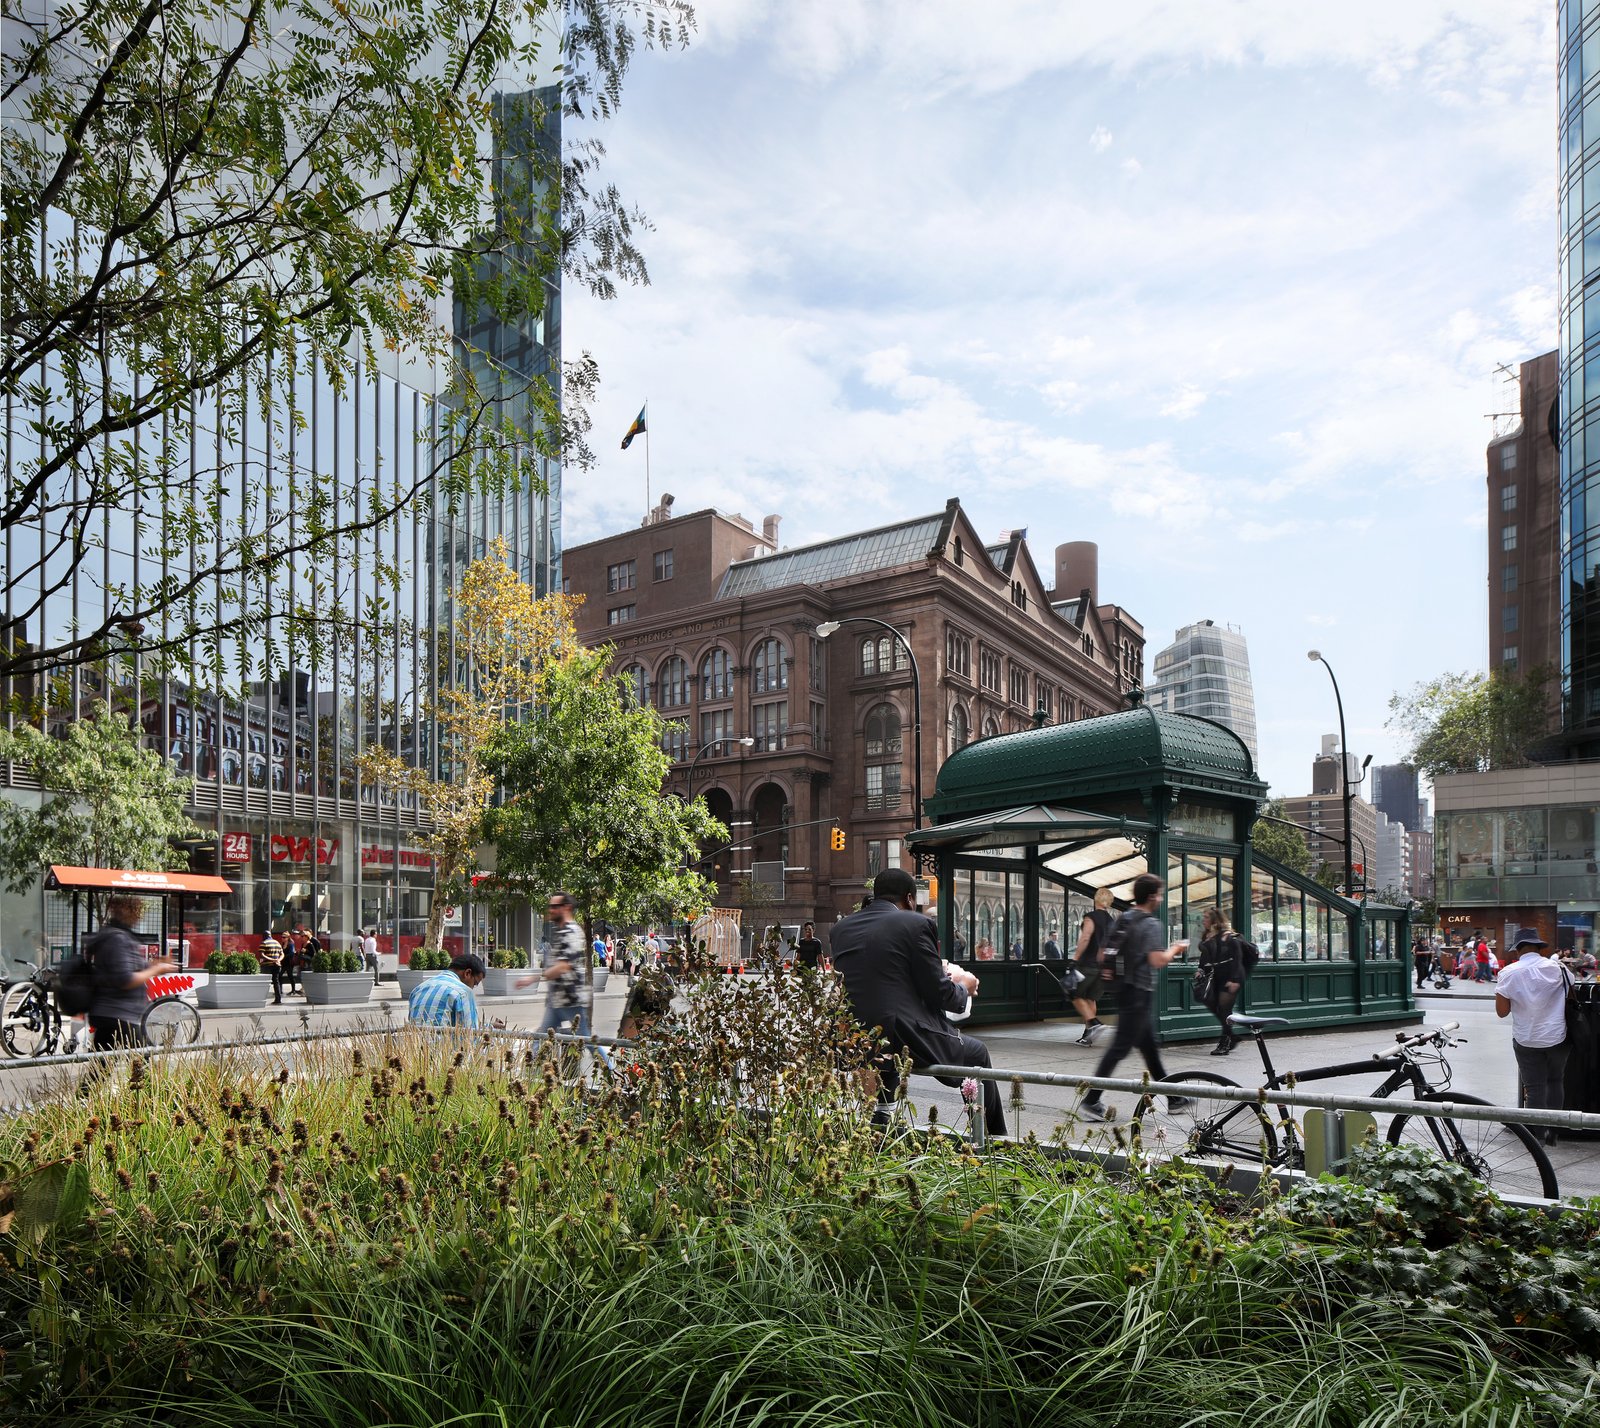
(410, 981)
(234, 992)
(336, 989)
(601, 976)
(502, 982)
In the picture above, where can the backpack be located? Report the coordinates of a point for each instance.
(1249, 955)
(75, 983)
(1113, 944)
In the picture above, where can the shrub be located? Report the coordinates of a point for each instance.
(426, 1230)
(509, 957)
(429, 959)
(232, 964)
(336, 960)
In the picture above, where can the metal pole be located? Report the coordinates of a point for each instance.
(916, 706)
(1349, 794)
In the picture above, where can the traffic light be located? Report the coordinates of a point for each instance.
(838, 840)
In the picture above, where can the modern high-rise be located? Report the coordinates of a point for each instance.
(268, 741)
(1394, 794)
(1206, 671)
(1578, 361)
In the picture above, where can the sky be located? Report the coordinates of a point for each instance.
(1221, 286)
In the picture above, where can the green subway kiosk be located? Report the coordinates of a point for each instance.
(1025, 827)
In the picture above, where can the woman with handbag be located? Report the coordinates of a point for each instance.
(1220, 974)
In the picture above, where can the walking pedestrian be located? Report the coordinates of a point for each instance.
(1092, 934)
(563, 968)
(369, 952)
(1221, 971)
(808, 950)
(120, 970)
(272, 960)
(1480, 956)
(1533, 993)
(888, 955)
(1139, 938)
(1421, 958)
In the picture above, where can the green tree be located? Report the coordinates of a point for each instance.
(1471, 723)
(1282, 842)
(584, 810)
(109, 802)
(506, 639)
(206, 202)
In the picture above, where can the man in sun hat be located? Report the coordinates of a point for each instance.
(1533, 992)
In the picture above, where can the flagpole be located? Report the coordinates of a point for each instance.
(647, 459)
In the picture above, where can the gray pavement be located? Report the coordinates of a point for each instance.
(1482, 1066)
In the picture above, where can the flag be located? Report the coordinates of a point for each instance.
(636, 428)
(1009, 535)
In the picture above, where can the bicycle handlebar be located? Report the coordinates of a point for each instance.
(1432, 1034)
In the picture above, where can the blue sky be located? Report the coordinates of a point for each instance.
(1221, 286)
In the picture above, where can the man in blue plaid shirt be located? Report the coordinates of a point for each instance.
(446, 998)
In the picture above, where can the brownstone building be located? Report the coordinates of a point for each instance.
(789, 732)
(1524, 502)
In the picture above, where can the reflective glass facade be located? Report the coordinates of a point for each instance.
(1206, 671)
(268, 736)
(1579, 356)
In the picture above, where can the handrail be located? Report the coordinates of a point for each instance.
(1267, 1096)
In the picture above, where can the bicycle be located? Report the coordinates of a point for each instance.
(1501, 1154)
(31, 1023)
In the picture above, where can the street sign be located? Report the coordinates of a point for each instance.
(452, 916)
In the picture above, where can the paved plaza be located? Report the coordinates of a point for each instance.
(1481, 1066)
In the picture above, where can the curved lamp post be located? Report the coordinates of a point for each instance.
(828, 627)
(1344, 773)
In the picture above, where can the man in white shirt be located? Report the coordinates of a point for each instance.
(1533, 992)
(369, 952)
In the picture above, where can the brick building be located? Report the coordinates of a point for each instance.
(788, 734)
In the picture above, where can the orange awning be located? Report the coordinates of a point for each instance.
(130, 880)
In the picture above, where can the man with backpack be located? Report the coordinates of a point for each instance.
(1137, 941)
(120, 971)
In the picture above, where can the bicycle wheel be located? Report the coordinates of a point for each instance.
(29, 1022)
(171, 1021)
(1505, 1157)
(1208, 1126)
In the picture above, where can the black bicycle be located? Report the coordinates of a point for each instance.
(30, 1022)
(1503, 1155)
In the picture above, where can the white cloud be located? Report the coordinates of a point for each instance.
(1100, 140)
(1131, 167)
(1185, 404)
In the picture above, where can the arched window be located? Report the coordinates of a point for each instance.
(960, 729)
(991, 727)
(674, 683)
(884, 745)
(869, 656)
(637, 683)
(883, 732)
(716, 676)
(769, 671)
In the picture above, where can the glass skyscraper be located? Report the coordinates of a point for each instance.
(1206, 671)
(270, 738)
(1579, 364)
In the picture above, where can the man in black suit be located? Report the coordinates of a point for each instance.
(888, 955)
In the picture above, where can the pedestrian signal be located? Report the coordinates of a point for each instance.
(838, 840)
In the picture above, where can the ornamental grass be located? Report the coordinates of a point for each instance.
(424, 1230)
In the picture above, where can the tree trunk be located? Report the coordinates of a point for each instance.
(433, 936)
(588, 974)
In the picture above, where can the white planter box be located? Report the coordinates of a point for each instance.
(502, 982)
(336, 989)
(234, 991)
(601, 976)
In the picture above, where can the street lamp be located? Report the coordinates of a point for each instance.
(745, 742)
(1315, 656)
(828, 627)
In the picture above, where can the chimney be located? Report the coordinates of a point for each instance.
(769, 530)
(1077, 568)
